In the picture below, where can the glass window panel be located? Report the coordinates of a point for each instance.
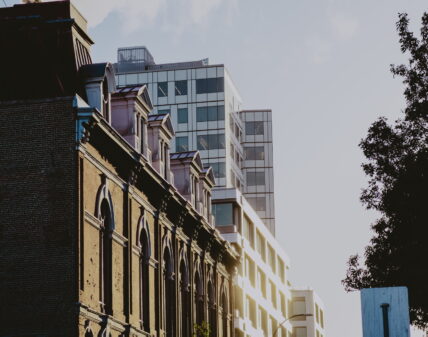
(202, 141)
(258, 203)
(162, 89)
(255, 153)
(220, 84)
(223, 214)
(249, 128)
(182, 115)
(201, 114)
(221, 141)
(211, 142)
(201, 86)
(180, 88)
(164, 111)
(220, 112)
(219, 169)
(181, 144)
(255, 178)
(254, 128)
(209, 85)
(212, 113)
(259, 128)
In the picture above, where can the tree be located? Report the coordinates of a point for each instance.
(397, 167)
(202, 330)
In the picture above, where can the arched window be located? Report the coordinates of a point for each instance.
(106, 100)
(106, 265)
(169, 286)
(144, 279)
(225, 312)
(185, 300)
(212, 309)
(199, 299)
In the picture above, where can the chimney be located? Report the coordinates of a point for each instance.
(43, 46)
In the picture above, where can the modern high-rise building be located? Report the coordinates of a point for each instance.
(208, 116)
(257, 167)
(206, 112)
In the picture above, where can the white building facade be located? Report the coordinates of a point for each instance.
(262, 291)
(306, 301)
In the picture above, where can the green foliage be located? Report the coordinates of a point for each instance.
(202, 330)
(397, 167)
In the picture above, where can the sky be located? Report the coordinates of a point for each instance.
(322, 66)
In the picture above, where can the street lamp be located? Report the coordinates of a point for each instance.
(287, 319)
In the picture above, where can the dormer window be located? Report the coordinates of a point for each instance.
(99, 83)
(106, 101)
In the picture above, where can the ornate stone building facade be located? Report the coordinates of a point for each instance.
(103, 232)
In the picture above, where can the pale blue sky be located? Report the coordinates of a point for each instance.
(323, 68)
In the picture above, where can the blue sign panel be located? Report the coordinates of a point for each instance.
(385, 312)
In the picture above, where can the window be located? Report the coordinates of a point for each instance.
(144, 280)
(299, 332)
(281, 269)
(317, 313)
(250, 270)
(254, 128)
(225, 312)
(180, 88)
(106, 258)
(182, 115)
(272, 257)
(185, 300)
(164, 111)
(219, 169)
(261, 281)
(169, 286)
(210, 113)
(261, 245)
(283, 305)
(223, 214)
(299, 308)
(248, 230)
(212, 310)
(199, 299)
(162, 89)
(211, 142)
(181, 144)
(255, 178)
(322, 318)
(209, 85)
(251, 311)
(258, 203)
(255, 153)
(273, 294)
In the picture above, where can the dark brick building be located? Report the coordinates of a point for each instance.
(103, 232)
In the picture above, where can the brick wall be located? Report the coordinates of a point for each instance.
(37, 218)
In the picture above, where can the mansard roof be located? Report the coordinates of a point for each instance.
(192, 156)
(137, 91)
(209, 174)
(97, 72)
(163, 119)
